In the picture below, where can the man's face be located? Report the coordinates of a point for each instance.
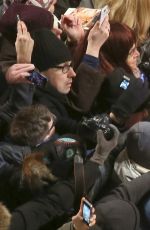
(61, 77)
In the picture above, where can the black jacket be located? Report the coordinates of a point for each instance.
(115, 211)
(57, 104)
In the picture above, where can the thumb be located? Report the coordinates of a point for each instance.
(100, 136)
(116, 132)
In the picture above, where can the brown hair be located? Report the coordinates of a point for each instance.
(115, 50)
(30, 125)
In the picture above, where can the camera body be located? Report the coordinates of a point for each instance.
(99, 122)
(145, 68)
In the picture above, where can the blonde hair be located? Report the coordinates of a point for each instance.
(143, 19)
(134, 13)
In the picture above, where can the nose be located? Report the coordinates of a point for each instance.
(137, 54)
(71, 73)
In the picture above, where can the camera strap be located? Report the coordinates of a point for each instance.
(80, 189)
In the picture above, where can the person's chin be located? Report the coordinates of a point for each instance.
(65, 91)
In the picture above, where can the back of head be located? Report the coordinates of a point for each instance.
(31, 125)
(48, 51)
(121, 38)
(120, 10)
(33, 16)
(115, 215)
(138, 144)
(143, 23)
(134, 13)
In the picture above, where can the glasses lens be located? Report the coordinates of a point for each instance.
(66, 68)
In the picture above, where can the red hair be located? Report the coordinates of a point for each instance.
(115, 50)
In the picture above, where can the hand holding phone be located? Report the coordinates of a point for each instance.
(104, 12)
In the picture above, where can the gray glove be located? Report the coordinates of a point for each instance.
(104, 147)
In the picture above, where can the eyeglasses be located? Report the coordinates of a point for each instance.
(64, 68)
(54, 119)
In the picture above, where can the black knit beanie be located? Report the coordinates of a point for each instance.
(48, 51)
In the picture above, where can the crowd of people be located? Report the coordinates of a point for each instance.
(74, 116)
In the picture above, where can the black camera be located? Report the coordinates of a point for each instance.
(99, 122)
(145, 68)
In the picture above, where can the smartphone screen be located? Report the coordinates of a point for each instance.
(37, 79)
(87, 208)
(104, 12)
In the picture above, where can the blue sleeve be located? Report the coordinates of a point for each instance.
(91, 61)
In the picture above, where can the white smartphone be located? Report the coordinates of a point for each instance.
(104, 12)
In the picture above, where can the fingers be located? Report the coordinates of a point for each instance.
(21, 27)
(116, 132)
(22, 67)
(18, 73)
(92, 220)
(81, 205)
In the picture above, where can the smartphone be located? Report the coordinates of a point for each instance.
(104, 12)
(37, 78)
(86, 211)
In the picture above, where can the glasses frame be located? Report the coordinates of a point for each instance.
(65, 68)
(54, 119)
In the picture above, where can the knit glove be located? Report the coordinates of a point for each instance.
(104, 147)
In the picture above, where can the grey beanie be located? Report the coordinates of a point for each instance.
(138, 144)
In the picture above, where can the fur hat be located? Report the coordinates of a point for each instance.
(138, 144)
(33, 16)
(48, 51)
(5, 217)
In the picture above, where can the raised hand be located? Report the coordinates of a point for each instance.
(18, 73)
(72, 25)
(24, 43)
(78, 219)
(97, 36)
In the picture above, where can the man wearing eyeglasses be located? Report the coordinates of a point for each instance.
(52, 58)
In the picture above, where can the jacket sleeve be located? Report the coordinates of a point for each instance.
(67, 226)
(85, 88)
(43, 210)
(131, 100)
(132, 191)
(21, 95)
(3, 84)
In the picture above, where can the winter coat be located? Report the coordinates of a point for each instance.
(112, 95)
(115, 211)
(66, 108)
